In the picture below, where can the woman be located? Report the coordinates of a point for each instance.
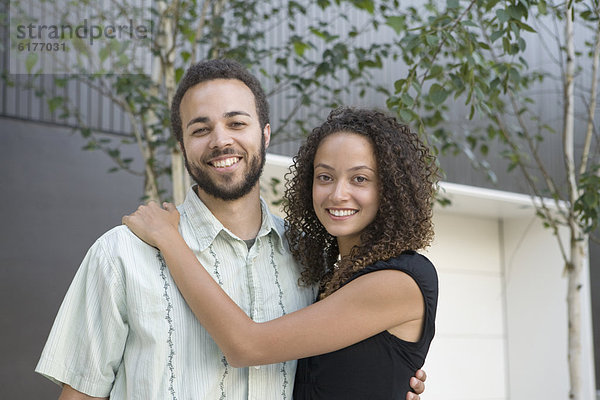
(358, 206)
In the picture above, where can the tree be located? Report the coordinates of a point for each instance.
(473, 53)
(308, 64)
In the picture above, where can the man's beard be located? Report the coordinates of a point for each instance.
(229, 192)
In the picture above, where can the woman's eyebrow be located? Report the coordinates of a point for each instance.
(322, 165)
(361, 167)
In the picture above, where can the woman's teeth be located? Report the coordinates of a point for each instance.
(342, 213)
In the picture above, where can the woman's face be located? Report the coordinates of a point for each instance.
(345, 186)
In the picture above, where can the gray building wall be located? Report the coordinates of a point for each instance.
(57, 199)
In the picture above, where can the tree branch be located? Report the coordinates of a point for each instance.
(592, 103)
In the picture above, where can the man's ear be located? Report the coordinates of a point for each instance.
(267, 134)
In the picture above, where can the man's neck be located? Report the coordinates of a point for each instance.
(243, 216)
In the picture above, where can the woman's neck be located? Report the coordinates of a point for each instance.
(345, 245)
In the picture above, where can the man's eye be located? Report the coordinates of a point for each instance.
(238, 124)
(199, 131)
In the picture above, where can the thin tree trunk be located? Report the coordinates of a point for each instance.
(179, 175)
(575, 262)
(167, 77)
(574, 268)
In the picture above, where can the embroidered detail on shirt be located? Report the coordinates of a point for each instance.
(222, 383)
(170, 365)
(216, 265)
(285, 380)
(276, 272)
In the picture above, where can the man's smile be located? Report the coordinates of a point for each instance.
(225, 162)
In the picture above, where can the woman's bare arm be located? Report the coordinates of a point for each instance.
(368, 305)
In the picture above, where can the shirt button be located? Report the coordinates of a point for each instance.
(257, 367)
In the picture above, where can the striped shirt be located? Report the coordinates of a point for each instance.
(124, 330)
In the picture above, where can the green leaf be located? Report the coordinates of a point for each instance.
(367, 5)
(30, 61)
(502, 15)
(179, 74)
(526, 27)
(86, 132)
(104, 53)
(322, 69)
(323, 3)
(61, 82)
(398, 24)
(496, 35)
(484, 149)
(515, 12)
(452, 4)
(399, 85)
(300, 47)
(435, 71)
(80, 46)
(514, 75)
(407, 100)
(91, 145)
(54, 102)
(437, 94)
(432, 40)
(405, 115)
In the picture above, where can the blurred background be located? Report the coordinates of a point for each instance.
(505, 93)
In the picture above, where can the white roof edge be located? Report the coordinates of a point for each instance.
(279, 160)
(518, 199)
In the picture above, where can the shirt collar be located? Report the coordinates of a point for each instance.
(207, 226)
(272, 224)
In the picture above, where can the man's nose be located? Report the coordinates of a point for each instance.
(220, 137)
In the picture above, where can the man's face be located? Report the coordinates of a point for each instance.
(223, 143)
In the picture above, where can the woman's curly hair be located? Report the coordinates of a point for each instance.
(408, 177)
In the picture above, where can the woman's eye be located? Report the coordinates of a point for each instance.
(360, 179)
(324, 178)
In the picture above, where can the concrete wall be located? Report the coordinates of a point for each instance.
(537, 327)
(536, 292)
(56, 200)
(468, 356)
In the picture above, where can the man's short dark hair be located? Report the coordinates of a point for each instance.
(217, 69)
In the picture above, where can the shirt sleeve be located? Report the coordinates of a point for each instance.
(86, 343)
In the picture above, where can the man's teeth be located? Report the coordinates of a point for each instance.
(228, 162)
(342, 213)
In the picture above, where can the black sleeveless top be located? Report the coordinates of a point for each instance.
(381, 366)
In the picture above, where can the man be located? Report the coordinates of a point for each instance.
(123, 329)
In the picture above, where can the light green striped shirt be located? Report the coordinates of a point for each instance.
(124, 329)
